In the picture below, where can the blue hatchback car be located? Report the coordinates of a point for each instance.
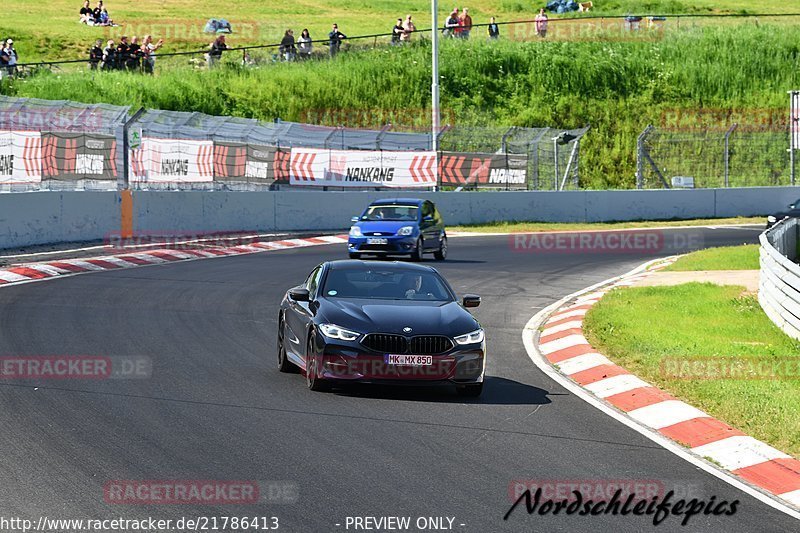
(398, 226)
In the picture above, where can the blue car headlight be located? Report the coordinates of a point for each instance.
(473, 337)
(332, 331)
(355, 231)
(406, 230)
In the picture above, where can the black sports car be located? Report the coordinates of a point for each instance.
(792, 211)
(380, 322)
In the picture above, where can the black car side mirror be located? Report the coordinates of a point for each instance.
(471, 300)
(299, 294)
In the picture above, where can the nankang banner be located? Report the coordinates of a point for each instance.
(244, 162)
(362, 168)
(20, 157)
(173, 160)
(484, 170)
(75, 156)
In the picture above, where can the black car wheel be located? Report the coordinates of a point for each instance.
(312, 380)
(416, 255)
(441, 253)
(355, 255)
(470, 390)
(284, 365)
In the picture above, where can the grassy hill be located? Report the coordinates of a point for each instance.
(743, 66)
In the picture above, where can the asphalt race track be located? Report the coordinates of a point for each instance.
(216, 407)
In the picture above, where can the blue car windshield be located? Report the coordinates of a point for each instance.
(391, 212)
(386, 284)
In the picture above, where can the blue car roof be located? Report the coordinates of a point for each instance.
(395, 201)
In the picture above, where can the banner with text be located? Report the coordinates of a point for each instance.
(794, 119)
(20, 157)
(362, 168)
(76, 156)
(244, 162)
(484, 170)
(172, 160)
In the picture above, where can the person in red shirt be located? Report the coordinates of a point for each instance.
(465, 23)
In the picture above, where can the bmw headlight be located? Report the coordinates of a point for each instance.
(333, 331)
(471, 338)
(771, 219)
(406, 230)
(355, 231)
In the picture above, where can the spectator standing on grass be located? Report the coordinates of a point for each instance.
(215, 51)
(335, 38)
(304, 44)
(288, 49)
(397, 32)
(134, 55)
(465, 21)
(408, 29)
(86, 14)
(494, 29)
(123, 53)
(9, 57)
(541, 23)
(149, 53)
(109, 60)
(451, 24)
(96, 54)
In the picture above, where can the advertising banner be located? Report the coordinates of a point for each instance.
(75, 156)
(20, 157)
(484, 170)
(362, 168)
(173, 160)
(244, 162)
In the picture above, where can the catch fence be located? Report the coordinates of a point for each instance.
(64, 145)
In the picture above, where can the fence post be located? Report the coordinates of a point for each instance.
(555, 163)
(728, 152)
(126, 181)
(640, 156)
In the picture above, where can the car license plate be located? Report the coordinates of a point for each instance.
(377, 241)
(409, 360)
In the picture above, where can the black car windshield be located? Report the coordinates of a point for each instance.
(385, 284)
(391, 212)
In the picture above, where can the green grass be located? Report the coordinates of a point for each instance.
(617, 83)
(744, 257)
(639, 327)
(532, 227)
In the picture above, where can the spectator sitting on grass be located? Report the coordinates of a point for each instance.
(288, 49)
(86, 14)
(96, 54)
(335, 38)
(304, 44)
(397, 32)
(408, 29)
(494, 29)
(451, 25)
(96, 12)
(105, 20)
(215, 51)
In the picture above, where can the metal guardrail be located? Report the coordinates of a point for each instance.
(779, 283)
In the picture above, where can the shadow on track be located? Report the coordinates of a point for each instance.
(496, 391)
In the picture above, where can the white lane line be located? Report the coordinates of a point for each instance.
(739, 451)
(583, 362)
(792, 497)
(666, 413)
(564, 342)
(616, 385)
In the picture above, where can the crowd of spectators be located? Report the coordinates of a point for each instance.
(95, 17)
(135, 56)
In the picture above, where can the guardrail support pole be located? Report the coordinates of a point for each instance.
(728, 152)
